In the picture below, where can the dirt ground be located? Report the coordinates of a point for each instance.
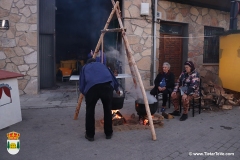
(132, 123)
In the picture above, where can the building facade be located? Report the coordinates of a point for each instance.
(19, 49)
(18, 45)
(197, 25)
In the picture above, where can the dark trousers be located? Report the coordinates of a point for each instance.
(165, 93)
(104, 92)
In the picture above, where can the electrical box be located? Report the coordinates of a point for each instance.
(159, 15)
(4, 24)
(144, 9)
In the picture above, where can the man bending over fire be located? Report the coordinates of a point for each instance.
(97, 82)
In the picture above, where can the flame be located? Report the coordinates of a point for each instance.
(145, 121)
(116, 115)
(115, 111)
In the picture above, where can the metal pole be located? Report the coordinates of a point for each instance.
(154, 40)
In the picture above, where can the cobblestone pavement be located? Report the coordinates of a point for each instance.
(49, 132)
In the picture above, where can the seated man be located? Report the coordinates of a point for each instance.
(187, 87)
(164, 83)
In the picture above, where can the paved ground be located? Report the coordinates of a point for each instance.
(48, 132)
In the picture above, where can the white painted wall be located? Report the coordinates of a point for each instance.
(10, 113)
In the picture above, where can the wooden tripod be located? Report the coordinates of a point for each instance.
(131, 61)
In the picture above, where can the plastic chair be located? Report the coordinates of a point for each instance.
(66, 73)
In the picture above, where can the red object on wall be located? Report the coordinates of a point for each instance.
(8, 75)
(6, 91)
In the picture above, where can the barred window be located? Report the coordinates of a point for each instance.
(211, 44)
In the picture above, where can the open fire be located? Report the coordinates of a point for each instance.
(143, 120)
(117, 118)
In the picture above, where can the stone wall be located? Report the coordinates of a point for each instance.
(18, 45)
(196, 18)
(139, 33)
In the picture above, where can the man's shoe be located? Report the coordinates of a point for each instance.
(175, 113)
(89, 138)
(109, 136)
(183, 117)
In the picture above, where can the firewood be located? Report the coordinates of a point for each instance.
(217, 91)
(219, 88)
(204, 85)
(210, 83)
(207, 89)
(228, 96)
(155, 118)
(165, 115)
(233, 103)
(219, 99)
(203, 94)
(208, 96)
(227, 107)
(170, 116)
(222, 102)
(212, 90)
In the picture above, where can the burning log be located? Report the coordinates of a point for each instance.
(117, 118)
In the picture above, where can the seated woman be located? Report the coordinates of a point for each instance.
(164, 83)
(187, 87)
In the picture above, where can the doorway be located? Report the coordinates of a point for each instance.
(171, 48)
(73, 29)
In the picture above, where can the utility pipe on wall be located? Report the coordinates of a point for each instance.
(154, 39)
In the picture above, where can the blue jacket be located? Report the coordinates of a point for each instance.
(95, 73)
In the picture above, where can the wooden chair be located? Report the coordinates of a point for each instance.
(66, 73)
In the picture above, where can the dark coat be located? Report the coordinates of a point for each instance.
(169, 78)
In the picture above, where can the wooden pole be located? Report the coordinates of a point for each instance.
(133, 63)
(78, 106)
(113, 30)
(102, 50)
(94, 56)
(105, 27)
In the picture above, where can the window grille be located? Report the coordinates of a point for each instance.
(211, 44)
